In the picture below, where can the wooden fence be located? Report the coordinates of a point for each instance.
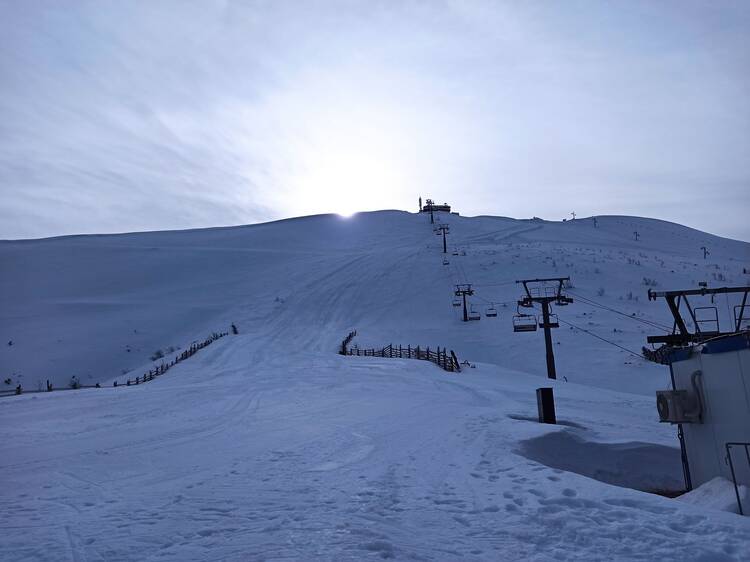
(441, 357)
(147, 377)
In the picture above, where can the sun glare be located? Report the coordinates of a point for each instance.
(349, 166)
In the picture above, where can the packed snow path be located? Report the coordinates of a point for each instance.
(247, 453)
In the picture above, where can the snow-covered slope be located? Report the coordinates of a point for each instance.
(269, 446)
(247, 452)
(99, 307)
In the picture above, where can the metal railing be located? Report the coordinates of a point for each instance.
(729, 446)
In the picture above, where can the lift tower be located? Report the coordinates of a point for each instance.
(444, 228)
(545, 294)
(429, 206)
(462, 291)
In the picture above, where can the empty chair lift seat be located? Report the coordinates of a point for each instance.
(524, 323)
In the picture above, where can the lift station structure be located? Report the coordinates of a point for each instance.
(710, 396)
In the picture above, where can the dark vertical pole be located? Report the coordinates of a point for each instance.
(445, 247)
(548, 341)
(742, 313)
(432, 218)
(545, 403)
(466, 316)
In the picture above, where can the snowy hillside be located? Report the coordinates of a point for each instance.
(267, 445)
(99, 307)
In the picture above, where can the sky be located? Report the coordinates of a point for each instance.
(141, 115)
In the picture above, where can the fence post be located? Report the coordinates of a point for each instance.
(455, 362)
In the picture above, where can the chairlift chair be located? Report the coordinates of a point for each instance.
(456, 302)
(455, 252)
(474, 314)
(524, 323)
(491, 311)
(445, 261)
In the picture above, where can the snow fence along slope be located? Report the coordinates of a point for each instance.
(249, 454)
(99, 307)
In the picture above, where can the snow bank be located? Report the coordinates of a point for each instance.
(718, 493)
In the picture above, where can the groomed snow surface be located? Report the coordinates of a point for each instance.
(269, 446)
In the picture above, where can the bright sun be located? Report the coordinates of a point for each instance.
(353, 165)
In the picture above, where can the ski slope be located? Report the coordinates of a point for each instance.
(269, 446)
(98, 307)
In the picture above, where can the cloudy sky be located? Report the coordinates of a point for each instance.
(141, 115)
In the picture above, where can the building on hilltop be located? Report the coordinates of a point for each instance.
(430, 205)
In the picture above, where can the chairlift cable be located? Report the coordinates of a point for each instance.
(591, 302)
(601, 338)
(496, 284)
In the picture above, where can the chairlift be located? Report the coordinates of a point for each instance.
(445, 261)
(455, 252)
(524, 323)
(553, 321)
(561, 302)
(474, 314)
(491, 311)
(456, 302)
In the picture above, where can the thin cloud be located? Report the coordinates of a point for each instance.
(146, 115)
